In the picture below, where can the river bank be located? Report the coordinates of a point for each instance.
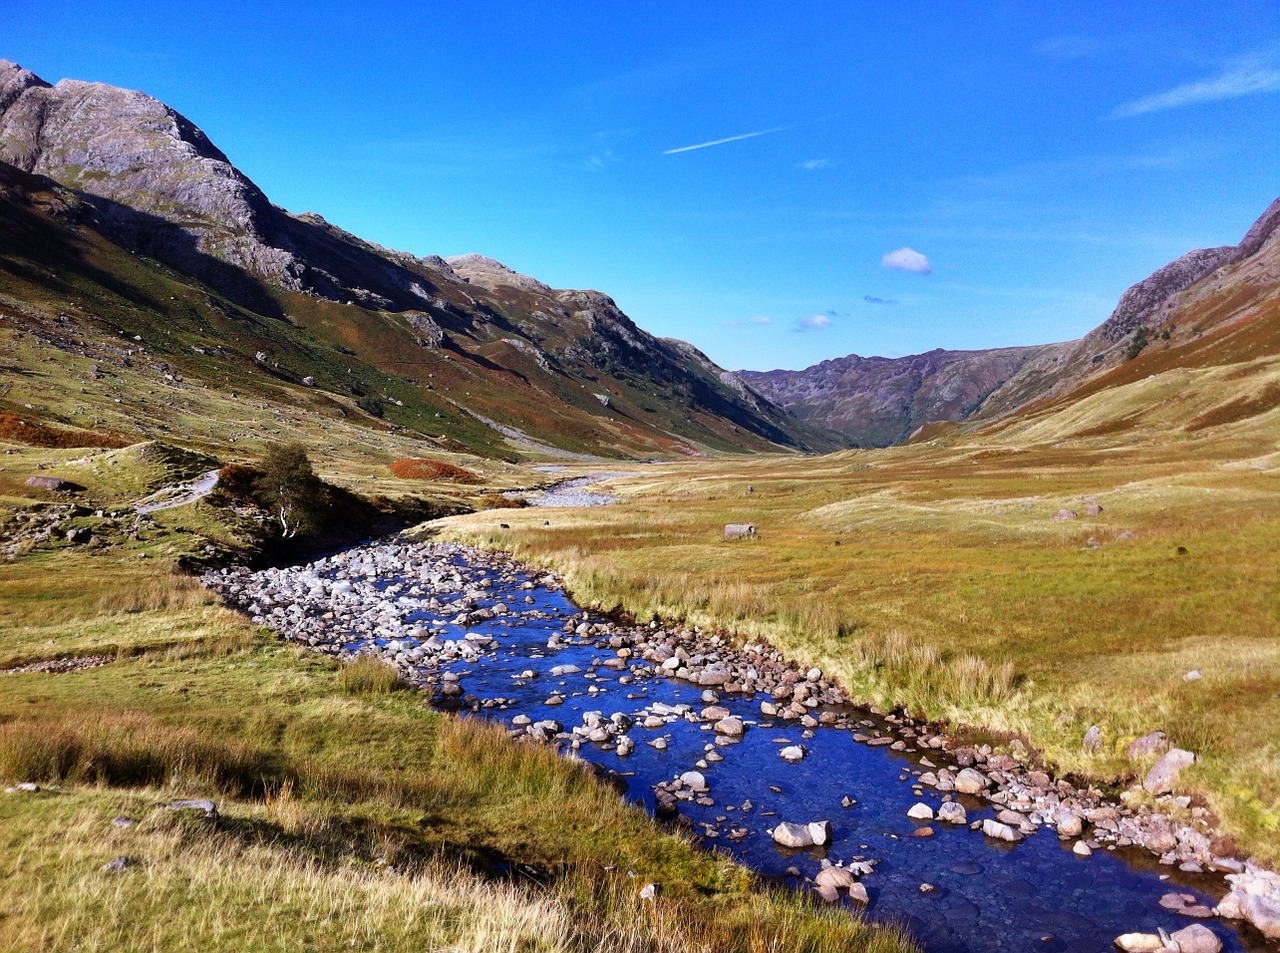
(482, 631)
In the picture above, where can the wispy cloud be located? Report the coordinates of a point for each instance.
(747, 322)
(720, 142)
(906, 259)
(1070, 47)
(1243, 78)
(872, 299)
(815, 323)
(600, 160)
(813, 165)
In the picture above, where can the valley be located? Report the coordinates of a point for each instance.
(1047, 555)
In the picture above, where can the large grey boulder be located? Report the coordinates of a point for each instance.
(1160, 778)
(970, 781)
(1196, 938)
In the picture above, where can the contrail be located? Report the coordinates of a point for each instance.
(720, 142)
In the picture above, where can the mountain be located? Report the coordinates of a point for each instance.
(879, 401)
(1210, 307)
(122, 218)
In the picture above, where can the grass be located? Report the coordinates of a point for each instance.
(367, 675)
(934, 576)
(192, 887)
(352, 815)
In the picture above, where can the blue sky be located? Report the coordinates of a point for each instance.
(776, 183)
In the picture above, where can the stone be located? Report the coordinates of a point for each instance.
(1065, 514)
(695, 781)
(1070, 824)
(1081, 849)
(1192, 676)
(714, 713)
(792, 754)
(952, 813)
(997, 831)
(840, 878)
(820, 831)
(858, 893)
(117, 864)
(971, 781)
(1093, 739)
(1160, 778)
(1140, 943)
(920, 812)
(53, 483)
(731, 726)
(1148, 744)
(1264, 914)
(1196, 938)
(649, 892)
(202, 805)
(793, 835)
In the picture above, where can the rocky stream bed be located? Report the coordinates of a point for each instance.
(972, 850)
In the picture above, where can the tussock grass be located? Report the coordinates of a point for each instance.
(369, 675)
(241, 888)
(128, 749)
(157, 595)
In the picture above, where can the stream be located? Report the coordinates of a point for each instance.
(502, 641)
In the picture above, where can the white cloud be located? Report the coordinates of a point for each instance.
(813, 165)
(720, 142)
(906, 259)
(815, 323)
(1244, 78)
(758, 319)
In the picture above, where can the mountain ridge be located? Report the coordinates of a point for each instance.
(878, 401)
(567, 367)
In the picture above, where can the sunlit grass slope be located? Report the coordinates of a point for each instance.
(935, 576)
(352, 815)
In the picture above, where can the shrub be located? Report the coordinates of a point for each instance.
(420, 468)
(372, 406)
(13, 427)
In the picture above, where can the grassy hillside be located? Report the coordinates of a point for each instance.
(935, 576)
(351, 814)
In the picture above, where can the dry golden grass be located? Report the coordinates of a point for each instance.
(368, 675)
(934, 576)
(352, 816)
(239, 888)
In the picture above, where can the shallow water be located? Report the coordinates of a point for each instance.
(1035, 895)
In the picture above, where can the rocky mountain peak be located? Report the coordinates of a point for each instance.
(492, 274)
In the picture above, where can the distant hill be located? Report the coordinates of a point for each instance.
(1212, 306)
(122, 219)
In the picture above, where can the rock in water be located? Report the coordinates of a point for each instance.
(793, 835)
(970, 781)
(1197, 939)
(1140, 943)
(997, 831)
(820, 832)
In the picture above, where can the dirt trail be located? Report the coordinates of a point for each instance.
(178, 495)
